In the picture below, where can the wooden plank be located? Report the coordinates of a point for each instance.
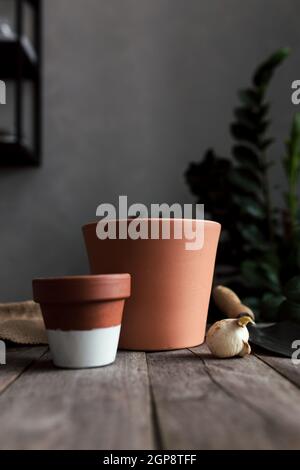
(207, 403)
(18, 359)
(263, 390)
(283, 365)
(101, 408)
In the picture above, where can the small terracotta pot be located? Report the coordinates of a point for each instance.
(171, 285)
(82, 315)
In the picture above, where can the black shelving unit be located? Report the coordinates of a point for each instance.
(21, 61)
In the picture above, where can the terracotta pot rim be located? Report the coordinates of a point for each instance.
(82, 288)
(87, 277)
(206, 222)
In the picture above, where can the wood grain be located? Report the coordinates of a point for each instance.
(263, 390)
(101, 408)
(18, 359)
(283, 365)
(169, 400)
(207, 403)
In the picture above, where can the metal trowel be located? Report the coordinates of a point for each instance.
(278, 337)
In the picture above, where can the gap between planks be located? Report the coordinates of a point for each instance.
(18, 360)
(207, 403)
(167, 400)
(99, 408)
(283, 365)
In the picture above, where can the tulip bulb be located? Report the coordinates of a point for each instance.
(229, 337)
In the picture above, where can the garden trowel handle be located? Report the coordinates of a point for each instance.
(229, 303)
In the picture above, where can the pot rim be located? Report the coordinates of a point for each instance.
(82, 288)
(208, 222)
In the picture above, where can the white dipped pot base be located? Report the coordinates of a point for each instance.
(88, 348)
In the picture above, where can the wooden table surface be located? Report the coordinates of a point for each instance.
(181, 399)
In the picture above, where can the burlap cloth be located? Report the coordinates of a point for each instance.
(22, 323)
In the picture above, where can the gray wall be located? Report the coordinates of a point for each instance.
(134, 90)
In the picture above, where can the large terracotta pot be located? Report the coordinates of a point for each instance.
(171, 285)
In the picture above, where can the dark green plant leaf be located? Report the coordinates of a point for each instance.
(269, 306)
(250, 275)
(200, 176)
(263, 145)
(249, 207)
(251, 119)
(235, 194)
(263, 110)
(292, 160)
(260, 276)
(270, 258)
(250, 233)
(250, 170)
(272, 275)
(209, 181)
(263, 126)
(292, 169)
(265, 71)
(292, 289)
(244, 183)
(250, 250)
(289, 311)
(244, 154)
(290, 256)
(250, 98)
(252, 174)
(294, 142)
(247, 116)
(241, 132)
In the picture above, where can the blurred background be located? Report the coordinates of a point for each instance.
(132, 92)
